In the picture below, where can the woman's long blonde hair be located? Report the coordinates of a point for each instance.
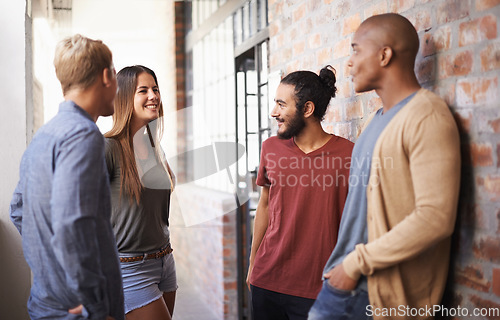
(124, 108)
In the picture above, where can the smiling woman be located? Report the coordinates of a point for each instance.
(141, 183)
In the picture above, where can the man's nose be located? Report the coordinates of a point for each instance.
(274, 112)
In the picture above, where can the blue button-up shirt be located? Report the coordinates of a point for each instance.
(61, 207)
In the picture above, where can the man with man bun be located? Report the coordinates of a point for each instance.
(303, 173)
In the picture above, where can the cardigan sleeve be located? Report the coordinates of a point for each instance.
(433, 149)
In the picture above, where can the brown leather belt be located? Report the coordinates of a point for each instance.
(154, 255)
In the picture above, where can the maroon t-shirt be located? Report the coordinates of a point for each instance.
(306, 198)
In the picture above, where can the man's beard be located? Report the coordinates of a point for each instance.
(294, 127)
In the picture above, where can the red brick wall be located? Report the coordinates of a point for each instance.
(459, 59)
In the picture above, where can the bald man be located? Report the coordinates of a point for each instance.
(392, 254)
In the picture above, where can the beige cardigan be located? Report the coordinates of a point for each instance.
(412, 202)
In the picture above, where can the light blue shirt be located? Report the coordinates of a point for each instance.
(353, 229)
(61, 207)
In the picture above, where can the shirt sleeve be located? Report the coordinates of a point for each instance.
(262, 177)
(77, 185)
(16, 207)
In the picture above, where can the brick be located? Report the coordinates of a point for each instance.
(427, 47)
(294, 33)
(292, 66)
(447, 92)
(477, 30)
(298, 48)
(299, 12)
(487, 249)
(401, 5)
(342, 48)
(346, 70)
(287, 54)
(274, 60)
(482, 5)
(425, 69)
(353, 110)
(340, 9)
(313, 5)
(343, 130)
(351, 24)
(459, 64)
(488, 120)
(374, 104)
(421, 20)
(230, 285)
(491, 309)
(344, 89)
(496, 281)
(273, 29)
(490, 57)
(463, 119)
(328, 128)
(498, 160)
(324, 56)
(378, 8)
(472, 277)
(314, 41)
(451, 10)
(333, 113)
(472, 217)
(489, 188)
(280, 40)
(359, 127)
(482, 155)
(442, 38)
(477, 91)
(306, 26)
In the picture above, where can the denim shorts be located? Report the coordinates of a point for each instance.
(336, 304)
(145, 281)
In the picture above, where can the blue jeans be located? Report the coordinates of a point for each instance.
(336, 304)
(145, 281)
(270, 305)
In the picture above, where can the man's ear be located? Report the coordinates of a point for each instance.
(385, 56)
(107, 77)
(308, 109)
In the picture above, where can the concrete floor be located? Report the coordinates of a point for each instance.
(188, 304)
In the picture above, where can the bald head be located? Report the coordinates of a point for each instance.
(394, 31)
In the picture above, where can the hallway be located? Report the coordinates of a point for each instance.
(188, 304)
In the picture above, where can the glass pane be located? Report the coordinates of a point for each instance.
(253, 152)
(253, 17)
(264, 109)
(246, 21)
(242, 139)
(252, 113)
(251, 82)
(241, 88)
(238, 30)
(264, 65)
(262, 14)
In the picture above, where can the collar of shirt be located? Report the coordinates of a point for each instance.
(70, 106)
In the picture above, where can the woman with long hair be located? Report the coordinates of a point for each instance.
(141, 183)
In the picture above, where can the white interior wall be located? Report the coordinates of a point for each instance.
(15, 276)
(137, 32)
